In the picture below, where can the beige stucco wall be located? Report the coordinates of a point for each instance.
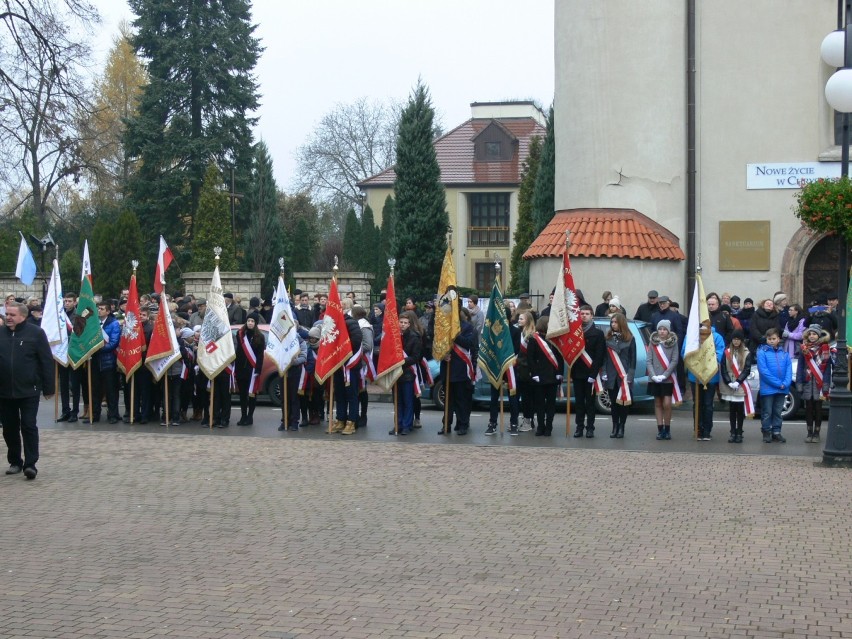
(620, 113)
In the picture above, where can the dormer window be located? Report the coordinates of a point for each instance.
(492, 151)
(494, 143)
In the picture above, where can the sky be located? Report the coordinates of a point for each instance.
(319, 53)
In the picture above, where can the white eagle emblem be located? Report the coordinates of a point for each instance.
(130, 330)
(329, 330)
(571, 305)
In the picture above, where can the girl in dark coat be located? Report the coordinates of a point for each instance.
(620, 367)
(545, 363)
(764, 318)
(411, 345)
(250, 348)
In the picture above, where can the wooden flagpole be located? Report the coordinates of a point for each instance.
(396, 407)
(91, 406)
(166, 383)
(56, 395)
(212, 393)
(132, 398)
(568, 403)
(697, 399)
(285, 407)
(330, 401)
(447, 398)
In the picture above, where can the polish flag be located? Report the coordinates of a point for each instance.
(164, 258)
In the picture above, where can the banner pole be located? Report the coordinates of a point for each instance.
(132, 398)
(396, 408)
(697, 399)
(502, 414)
(568, 403)
(56, 395)
(212, 393)
(91, 405)
(330, 400)
(166, 383)
(447, 400)
(285, 412)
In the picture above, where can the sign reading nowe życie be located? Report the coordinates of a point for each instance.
(788, 175)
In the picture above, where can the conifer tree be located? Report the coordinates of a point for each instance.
(524, 235)
(264, 237)
(212, 226)
(371, 240)
(200, 61)
(422, 221)
(545, 183)
(111, 266)
(352, 245)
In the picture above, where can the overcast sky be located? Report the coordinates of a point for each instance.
(319, 53)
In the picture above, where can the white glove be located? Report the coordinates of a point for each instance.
(536, 379)
(786, 333)
(559, 378)
(603, 377)
(734, 385)
(591, 380)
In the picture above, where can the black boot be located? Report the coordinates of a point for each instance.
(660, 432)
(620, 433)
(733, 437)
(816, 433)
(578, 431)
(739, 436)
(590, 432)
(614, 432)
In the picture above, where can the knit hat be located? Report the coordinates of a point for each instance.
(615, 302)
(815, 328)
(230, 296)
(779, 298)
(315, 332)
(186, 333)
(254, 315)
(664, 323)
(254, 302)
(737, 334)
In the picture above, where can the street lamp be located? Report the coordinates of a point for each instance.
(836, 50)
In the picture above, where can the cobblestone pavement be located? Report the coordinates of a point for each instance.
(146, 535)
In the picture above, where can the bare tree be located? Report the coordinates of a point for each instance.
(41, 90)
(351, 143)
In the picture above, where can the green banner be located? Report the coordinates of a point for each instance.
(496, 352)
(87, 336)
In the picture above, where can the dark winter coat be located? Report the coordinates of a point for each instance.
(412, 344)
(596, 348)
(541, 366)
(761, 322)
(26, 363)
(626, 352)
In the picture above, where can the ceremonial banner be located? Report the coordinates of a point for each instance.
(26, 267)
(447, 323)
(87, 337)
(334, 347)
(132, 341)
(87, 265)
(391, 355)
(164, 258)
(216, 345)
(54, 322)
(282, 343)
(496, 352)
(565, 328)
(699, 357)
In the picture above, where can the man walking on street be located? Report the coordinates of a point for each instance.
(26, 371)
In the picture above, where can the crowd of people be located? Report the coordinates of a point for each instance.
(769, 335)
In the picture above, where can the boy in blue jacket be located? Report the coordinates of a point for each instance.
(776, 375)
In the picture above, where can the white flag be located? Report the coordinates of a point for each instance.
(87, 263)
(54, 322)
(216, 345)
(282, 345)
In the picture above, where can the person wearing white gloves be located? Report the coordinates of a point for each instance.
(735, 369)
(662, 359)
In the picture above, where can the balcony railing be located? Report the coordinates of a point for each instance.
(488, 236)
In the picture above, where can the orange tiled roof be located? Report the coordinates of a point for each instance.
(606, 233)
(455, 154)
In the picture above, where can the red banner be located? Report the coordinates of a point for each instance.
(565, 329)
(334, 347)
(132, 341)
(391, 357)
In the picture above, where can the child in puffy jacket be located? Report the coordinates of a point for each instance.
(776, 375)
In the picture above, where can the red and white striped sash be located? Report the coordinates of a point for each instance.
(303, 381)
(368, 371)
(815, 368)
(350, 364)
(511, 381)
(587, 360)
(465, 357)
(547, 352)
(248, 351)
(749, 400)
(624, 398)
(425, 373)
(677, 396)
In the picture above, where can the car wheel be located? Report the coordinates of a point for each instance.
(602, 404)
(438, 394)
(275, 390)
(791, 406)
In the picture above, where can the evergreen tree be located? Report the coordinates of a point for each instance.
(352, 243)
(264, 237)
(111, 267)
(545, 183)
(70, 268)
(422, 221)
(524, 235)
(298, 212)
(194, 110)
(212, 226)
(304, 246)
(386, 244)
(371, 240)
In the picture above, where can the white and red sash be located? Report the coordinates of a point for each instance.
(303, 380)
(749, 400)
(248, 351)
(465, 357)
(511, 381)
(350, 364)
(368, 371)
(624, 398)
(425, 373)
(547, 352)
(677, 396)
(816, 365)
(413, 368)
(587, 360)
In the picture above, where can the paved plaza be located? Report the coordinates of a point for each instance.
(138, 535)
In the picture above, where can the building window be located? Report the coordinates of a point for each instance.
(489, 219)
(484, 274)
(492, 150)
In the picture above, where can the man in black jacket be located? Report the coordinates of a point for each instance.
(26, 370)
(347, 382)
(585, 370)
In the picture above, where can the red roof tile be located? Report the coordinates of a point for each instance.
(606, 233)
(456, 155)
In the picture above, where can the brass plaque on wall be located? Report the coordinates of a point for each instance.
(744, 246)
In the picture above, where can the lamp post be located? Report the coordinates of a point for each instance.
(836, 50)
